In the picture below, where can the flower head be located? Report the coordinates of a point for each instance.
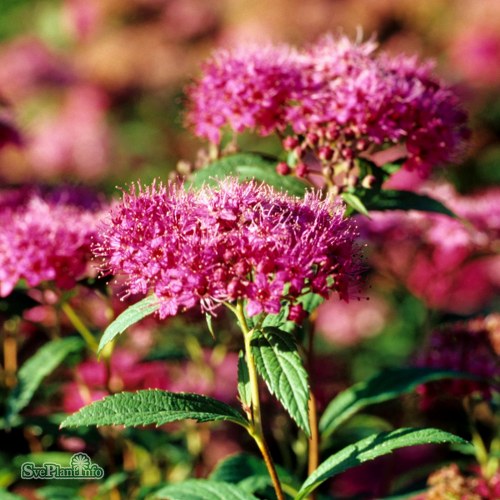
(244, 89)
(45, 235)
(340, 100)
(228, 242)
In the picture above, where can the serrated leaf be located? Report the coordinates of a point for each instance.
(355, 202)
(370, 448)
(244, 390)
(153, 406)
(384, 386)
(279, 364)
(247, 166)
(127, 318)
(35, 369)
(387, 199)
(202, 489)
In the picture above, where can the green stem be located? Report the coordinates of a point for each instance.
(255, 429)
(80, 327)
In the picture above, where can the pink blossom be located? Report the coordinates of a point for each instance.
(243, 89)
(45, 236)
(341, 100)
(228, 242)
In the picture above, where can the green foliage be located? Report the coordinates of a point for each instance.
(384, 386)
(201, 489)
(387, 199)
(248, 472)
(127, 318)
(279, 364)
(153, 406)
(355, 202)
(244, 390)
(35, 369)
(370, 448)
(247, 166)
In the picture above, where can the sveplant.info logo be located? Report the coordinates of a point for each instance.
(80, 467)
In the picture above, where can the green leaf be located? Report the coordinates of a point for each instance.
(311, 301)
(35, 369)
(248, 472)
(279, 364)
(202, 489)
(247, 166)
(244, 390)
(7, 495)
(127, 318)
(153, 406)
(384, 386)
(370, 448)
(355, 202)
(388, 199)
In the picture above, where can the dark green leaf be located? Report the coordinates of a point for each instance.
(370, 448)
(203, 489)
(153, 406)
(279, 364)
(247, 166)
(387, 199)
(248, 472)
(127, 318)
(35, 369)
(382, 387)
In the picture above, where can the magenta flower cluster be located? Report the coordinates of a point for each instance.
(339, 99)
(46, 235)
(228, 242)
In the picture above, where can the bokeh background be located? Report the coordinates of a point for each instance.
(96, 86)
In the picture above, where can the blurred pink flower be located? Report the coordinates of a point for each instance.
(474, 54)
(450, 482)
(75, 141)
(28, 64)
(469, 347)
(228, 242)
(212, 376)
(349, 323)
(451, 264)
(45, 236)
(126, 372)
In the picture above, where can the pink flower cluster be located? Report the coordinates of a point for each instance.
(471, 347)
(45, 235)
(228, 242)
(340, 99)
(450, 263)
